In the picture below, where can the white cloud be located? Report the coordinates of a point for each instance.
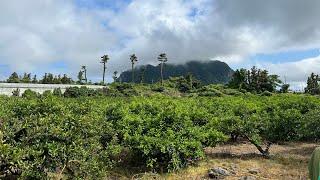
(34, 33)
(295, 73)
(225, 30)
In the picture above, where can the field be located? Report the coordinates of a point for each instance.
(177, 137)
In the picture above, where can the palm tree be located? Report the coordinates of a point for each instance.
(104, 60)
(142, 72)
(80, 76)
(115, 76)
(163, 59)
(84, 69)
(133, 59)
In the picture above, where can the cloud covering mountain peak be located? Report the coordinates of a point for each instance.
(36, 34)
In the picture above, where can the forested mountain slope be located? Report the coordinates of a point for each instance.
(207, 71)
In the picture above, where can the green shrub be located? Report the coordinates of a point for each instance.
(242, 90)
(16, 92)
(232, 92)
(160, 134)
(112, 92)
(51, 136)
(29, 94)
(88, 136)
(57, 92)
(310, 129)
(120, 90)
(47, 93)
(123, 86)
(266, 93)
(83, 91)
(158, 89)
(211, 93)
(72, 92)
(282, 125)
(184, 84)
(124, 89)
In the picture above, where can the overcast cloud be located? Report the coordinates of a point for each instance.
(35, 34)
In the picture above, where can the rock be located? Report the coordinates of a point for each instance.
(254, 171)
(216, 173)
(247, 178)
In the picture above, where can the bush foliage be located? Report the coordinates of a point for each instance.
(86, 137)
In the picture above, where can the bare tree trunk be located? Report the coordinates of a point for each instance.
(132, 73)
(265, 152)
(104, 72)
(85, 75)
(161, 69)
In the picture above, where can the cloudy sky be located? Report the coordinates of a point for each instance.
(59, 36)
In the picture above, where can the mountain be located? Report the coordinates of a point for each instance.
(208, 72)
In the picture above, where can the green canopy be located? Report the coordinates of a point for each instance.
(314, 165)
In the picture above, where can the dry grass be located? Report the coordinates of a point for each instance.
(288, 161)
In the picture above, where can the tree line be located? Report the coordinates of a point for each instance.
(162, 58)
(257, 80)
(252, 80)
(48, 78)
(313, 85)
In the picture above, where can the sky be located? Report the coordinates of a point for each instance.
(59, 36)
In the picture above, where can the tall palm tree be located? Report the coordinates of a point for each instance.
(104, 60)
(80, 76)
(115, 76)
(84, 69)
(163, 59)
(142, 72)
(133, 59)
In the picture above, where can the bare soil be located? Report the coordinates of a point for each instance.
(287, 161)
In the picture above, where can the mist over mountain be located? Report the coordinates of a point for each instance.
(206, 71)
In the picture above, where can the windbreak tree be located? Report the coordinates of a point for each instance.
(239, 79)
(26, 78)
(48, 78)
(142, 74)
(84, 70)
(254, 80)
(66, 80)
(313, 86)
(80, 76)
(163, 59)
(133, 59)
(104, 60)
(284, 88)
(115, 76)
(34, 79)
(14, 78)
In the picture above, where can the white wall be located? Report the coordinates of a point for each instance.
(7, 88)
